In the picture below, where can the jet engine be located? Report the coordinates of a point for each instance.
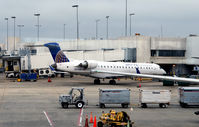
(88, 64)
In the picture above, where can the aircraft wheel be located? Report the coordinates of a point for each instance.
(96, 81)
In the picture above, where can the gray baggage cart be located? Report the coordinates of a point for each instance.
(114, 96)
(161, 97)
(189, 96)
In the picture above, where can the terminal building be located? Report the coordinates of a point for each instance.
(177, 56)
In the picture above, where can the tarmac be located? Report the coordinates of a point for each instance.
(35, 104)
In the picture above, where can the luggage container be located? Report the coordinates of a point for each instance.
(161, 97)
(189, 96)
(114, 96)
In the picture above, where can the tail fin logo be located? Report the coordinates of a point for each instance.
(60, 57)
(56, 52)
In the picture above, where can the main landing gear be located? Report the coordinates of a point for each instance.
(111, 82)
(96, 81)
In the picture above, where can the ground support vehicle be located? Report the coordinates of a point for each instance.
(161, 97)
(114, 119)
(114, 96)
(189, 96)
(28, 77)
(75, 97)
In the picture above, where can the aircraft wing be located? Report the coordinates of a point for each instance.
(161, 77)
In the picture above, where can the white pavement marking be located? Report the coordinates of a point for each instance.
(49, 121)
(80, 117)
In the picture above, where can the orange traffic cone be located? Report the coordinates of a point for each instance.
(49, 80)
(95, 122)
(91, 118)
(86, 122)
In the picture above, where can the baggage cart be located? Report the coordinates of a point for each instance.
(161, 97)
(189, 96)
(114, 96)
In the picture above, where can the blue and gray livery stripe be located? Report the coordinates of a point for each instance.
(56, 52)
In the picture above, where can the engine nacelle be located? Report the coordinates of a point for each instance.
(88, 64)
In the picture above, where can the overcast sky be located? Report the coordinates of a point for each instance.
(178, 18)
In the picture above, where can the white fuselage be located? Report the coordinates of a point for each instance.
(124, 67)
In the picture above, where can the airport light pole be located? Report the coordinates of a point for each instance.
(64, 31)
(20, 26)
(126, 20)
(13, 17)
(76, 6)
(107, 17)
(97, 28)
(37, 15)
(130, 22)
(7, 32)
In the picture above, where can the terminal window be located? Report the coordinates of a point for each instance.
(168, 53)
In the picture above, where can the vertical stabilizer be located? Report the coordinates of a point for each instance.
(56, 52)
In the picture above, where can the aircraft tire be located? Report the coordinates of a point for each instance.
(96, 81)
